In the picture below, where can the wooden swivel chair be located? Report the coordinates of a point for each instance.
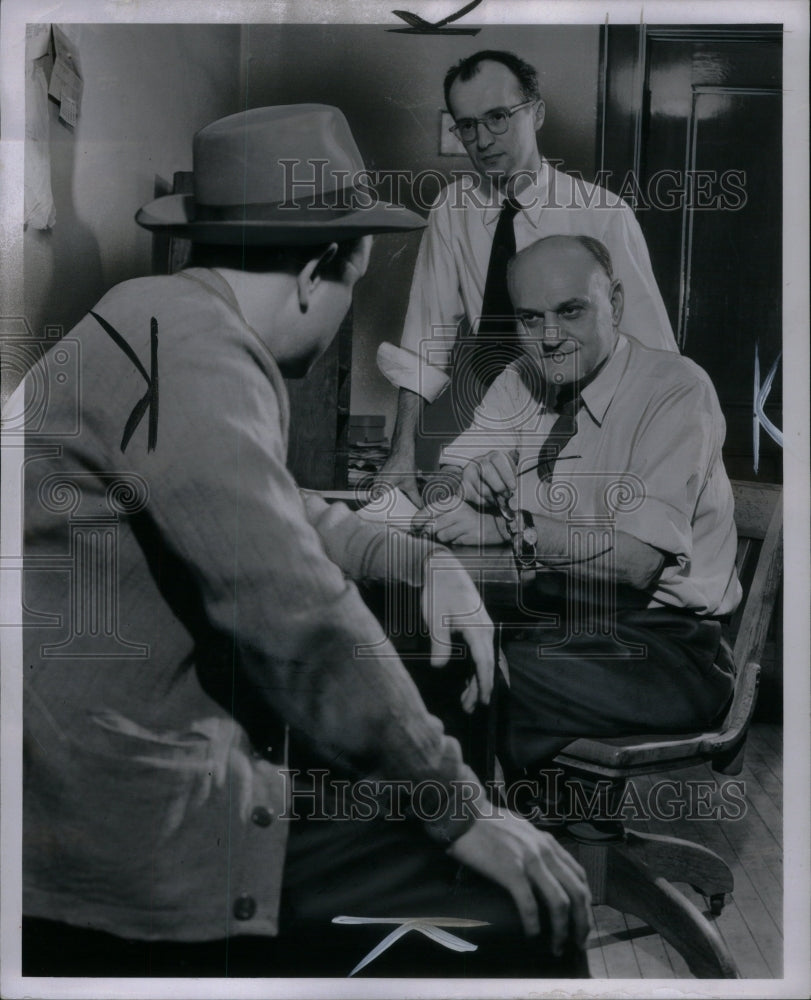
(633, 872)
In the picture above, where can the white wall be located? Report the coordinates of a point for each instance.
(147, 89)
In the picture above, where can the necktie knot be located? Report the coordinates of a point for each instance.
(509, 208)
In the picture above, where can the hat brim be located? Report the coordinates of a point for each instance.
(174, 214)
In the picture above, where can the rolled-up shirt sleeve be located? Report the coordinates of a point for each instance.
(435, 309)
(301, 635)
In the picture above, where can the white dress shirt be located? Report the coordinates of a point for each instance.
(451, 270)
(645, 460)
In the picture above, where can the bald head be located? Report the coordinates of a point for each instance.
(578, 252)
(570, 305)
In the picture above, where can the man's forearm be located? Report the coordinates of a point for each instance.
(410, 406)
(364, 551)
(627, 561)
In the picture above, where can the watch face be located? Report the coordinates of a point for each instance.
(530, 536)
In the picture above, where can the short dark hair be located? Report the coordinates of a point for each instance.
(263, 259)
(599, 251)
(526, 75)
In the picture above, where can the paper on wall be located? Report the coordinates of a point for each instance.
(39, 210)
(66, 82)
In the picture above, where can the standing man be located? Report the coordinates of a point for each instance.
(460, 279)
(207, 615)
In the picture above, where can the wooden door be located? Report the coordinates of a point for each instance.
(691, 135)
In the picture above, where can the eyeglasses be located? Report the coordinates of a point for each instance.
(496, 122)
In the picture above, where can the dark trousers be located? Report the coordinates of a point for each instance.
(576, 671)
(647, 671)
(354, 868)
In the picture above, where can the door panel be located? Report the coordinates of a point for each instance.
(695, 116)
(737, 253)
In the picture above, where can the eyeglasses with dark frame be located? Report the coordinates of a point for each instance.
(496, 122)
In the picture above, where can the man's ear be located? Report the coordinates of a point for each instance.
(309, 277)
(540, 114)
(617, 301)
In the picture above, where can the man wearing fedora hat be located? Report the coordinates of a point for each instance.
(207, 619)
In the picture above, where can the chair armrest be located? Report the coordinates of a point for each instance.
(740, 713)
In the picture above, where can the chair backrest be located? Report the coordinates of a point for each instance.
(759, 523)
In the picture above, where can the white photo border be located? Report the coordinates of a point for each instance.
(793, 14)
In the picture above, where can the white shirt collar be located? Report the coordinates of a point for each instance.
(531, 197)
(598, 394)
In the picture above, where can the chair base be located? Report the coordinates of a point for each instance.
(634, 875)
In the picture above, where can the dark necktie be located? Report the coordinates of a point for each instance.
(563, 430)
(497, 342)
(567, 402)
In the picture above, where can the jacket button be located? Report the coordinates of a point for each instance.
(262, 816)
(244, 907)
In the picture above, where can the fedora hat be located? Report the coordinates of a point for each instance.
(283, 175)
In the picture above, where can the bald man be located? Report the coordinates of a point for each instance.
(599, 459)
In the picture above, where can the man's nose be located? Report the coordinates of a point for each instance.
(484, 137)
(551, 333)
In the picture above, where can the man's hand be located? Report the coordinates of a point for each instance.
(489, 477)
(534, 869)
(458, 524)
(451, 603)
(400, 470)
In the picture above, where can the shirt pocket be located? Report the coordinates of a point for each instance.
(170, 775)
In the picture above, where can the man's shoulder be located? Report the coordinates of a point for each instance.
(172, 297)
(194, 326)
(666, 370)
(124, 309)
(569, 189)
(138, 288)
(463, 193)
